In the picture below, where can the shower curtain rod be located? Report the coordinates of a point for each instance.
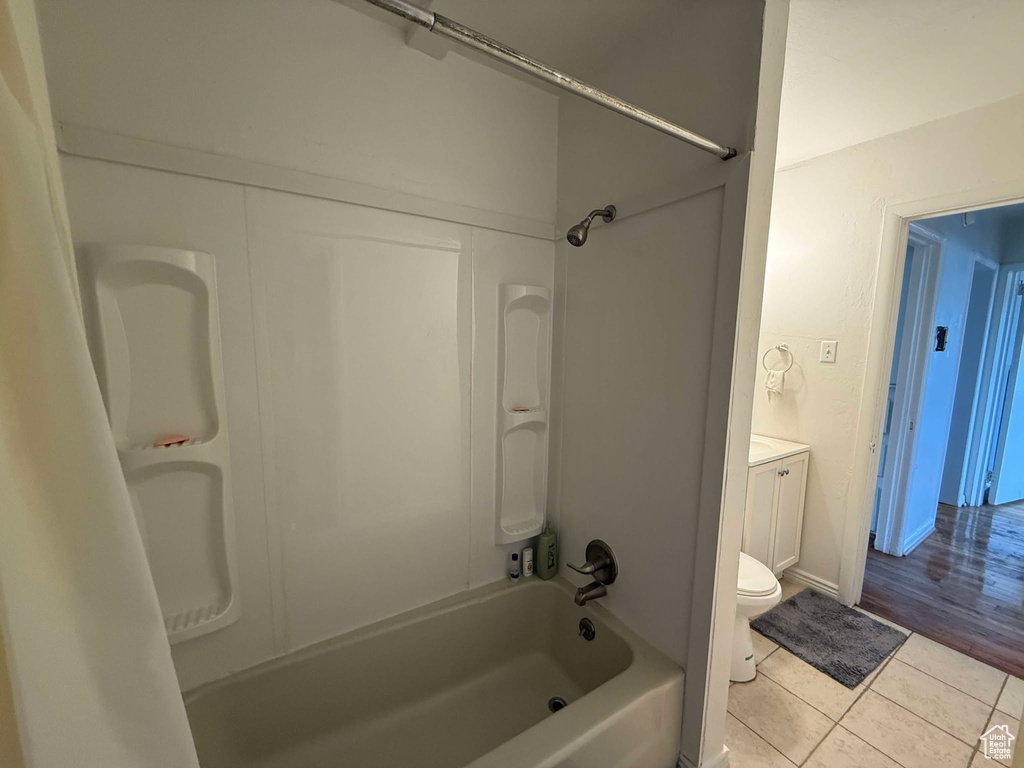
(441, 25)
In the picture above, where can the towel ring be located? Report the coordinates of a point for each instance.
(782, 349)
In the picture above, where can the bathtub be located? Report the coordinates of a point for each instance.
(466, 681)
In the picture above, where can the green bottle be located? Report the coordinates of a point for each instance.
(547, 553)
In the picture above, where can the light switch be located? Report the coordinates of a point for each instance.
(828, 352)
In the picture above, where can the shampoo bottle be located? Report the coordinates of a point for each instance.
(546, 560)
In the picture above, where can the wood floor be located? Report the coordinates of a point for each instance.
(962, 587)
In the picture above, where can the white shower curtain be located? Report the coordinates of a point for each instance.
(86, 679)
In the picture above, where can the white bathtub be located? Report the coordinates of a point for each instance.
(462, 682)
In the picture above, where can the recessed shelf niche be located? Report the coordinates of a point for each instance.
(151, 316)
(524, 372)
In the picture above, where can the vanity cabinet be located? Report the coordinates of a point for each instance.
(774, 514)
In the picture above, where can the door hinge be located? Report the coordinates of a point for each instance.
(874, 445)
(989, 475)
(911, 426)
(1020, 288)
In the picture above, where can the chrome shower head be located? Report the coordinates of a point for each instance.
(577, 235)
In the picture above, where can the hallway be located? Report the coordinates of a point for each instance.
(962, 587)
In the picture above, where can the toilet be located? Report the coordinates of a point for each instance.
(757, 590)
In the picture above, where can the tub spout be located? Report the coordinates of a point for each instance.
(592, 591)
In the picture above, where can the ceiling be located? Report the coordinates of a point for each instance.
(860, 69)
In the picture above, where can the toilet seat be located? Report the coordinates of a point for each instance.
(755, 578)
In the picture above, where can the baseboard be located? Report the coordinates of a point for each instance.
(721, 760)
(918, 538)
(812, 581)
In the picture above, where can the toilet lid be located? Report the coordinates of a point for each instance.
(756, 579)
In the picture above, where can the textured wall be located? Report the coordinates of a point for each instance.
(823, 254)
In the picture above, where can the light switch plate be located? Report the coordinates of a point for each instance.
(828, 351)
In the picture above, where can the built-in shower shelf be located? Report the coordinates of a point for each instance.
(197, 621)
(140, 456)
(524, 365)
(524, 529)
(143, 447)
(151, 315)
(518, 418)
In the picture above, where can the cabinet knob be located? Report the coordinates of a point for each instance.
(783, 472)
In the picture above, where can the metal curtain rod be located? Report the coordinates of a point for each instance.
(445, 27)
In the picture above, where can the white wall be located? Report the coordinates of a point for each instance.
(348, 331)
(291, 83)
(637, 339)
(823, 254)
(348, 346)
(649, 327)
(603, 158)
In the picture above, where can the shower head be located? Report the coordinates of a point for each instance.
(578, 235)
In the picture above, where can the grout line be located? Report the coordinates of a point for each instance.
(835, 724)
(762, 738)
(944, 682)
(925, 720)
(773, 650)
(977, 744)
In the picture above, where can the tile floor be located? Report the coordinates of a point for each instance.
(924, 707)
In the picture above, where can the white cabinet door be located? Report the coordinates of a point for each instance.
(758, 519)
(790, 515)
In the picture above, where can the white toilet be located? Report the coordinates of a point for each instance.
(757, 591)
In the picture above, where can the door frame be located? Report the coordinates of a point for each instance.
(895, 227)
(1013, 311)
(996, 374)
(913, 361)
(985, 415)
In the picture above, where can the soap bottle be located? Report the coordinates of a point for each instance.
(546, 560)
(528, 562)
(513, 567)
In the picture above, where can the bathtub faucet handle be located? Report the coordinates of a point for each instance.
(587, 568)
(601, 565)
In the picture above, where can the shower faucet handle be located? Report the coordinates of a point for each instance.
(600, 563)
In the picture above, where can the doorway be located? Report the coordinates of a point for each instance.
(946, 550)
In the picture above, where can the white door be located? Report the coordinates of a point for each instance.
(758, 518)
(909, 368)
(1008, 470)
(789, 518)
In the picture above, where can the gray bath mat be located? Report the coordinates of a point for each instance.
(843, 643)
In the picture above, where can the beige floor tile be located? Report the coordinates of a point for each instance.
(790, 725)
(885, 621)
(841, 749)
(903, 736)
(748, 750)
(962, 672)
(1012, 700)
(762, 646)
(816, 688)
(790, 587)
(953, 711)
(1001, 718)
